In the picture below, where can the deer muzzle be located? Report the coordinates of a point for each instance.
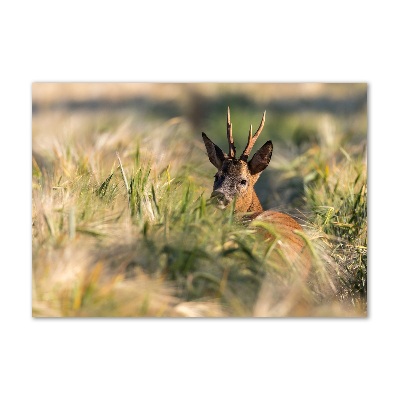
(220, 199)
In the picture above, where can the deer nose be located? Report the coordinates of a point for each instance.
(217, 195)
(219, 199)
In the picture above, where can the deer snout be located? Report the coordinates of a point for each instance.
(219, 198)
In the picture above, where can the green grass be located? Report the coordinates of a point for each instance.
(122, 225)
(339, 204)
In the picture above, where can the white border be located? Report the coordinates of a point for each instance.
(283, 41)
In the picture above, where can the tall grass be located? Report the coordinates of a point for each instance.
(122, 226)
(339, 204)
(333, 173)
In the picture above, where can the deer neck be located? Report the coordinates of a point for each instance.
(249, 203)
(255, 205)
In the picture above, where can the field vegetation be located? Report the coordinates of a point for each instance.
(122, 224)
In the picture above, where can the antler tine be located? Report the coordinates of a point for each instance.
(252, 139)
(250, 133)
(232, 148)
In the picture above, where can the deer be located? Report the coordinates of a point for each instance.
(234, 182)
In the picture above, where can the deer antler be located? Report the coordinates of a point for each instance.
(252, 139)
(232, 148)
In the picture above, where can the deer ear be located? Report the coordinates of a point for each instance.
(261, 159)
(215, 154)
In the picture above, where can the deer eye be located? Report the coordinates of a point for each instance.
(243, 182)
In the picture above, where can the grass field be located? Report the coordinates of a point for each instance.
(121, 221)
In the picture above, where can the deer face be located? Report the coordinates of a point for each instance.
(235, 178)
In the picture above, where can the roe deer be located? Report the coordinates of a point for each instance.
(235, 179)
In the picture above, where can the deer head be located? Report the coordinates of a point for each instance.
(235, 178)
